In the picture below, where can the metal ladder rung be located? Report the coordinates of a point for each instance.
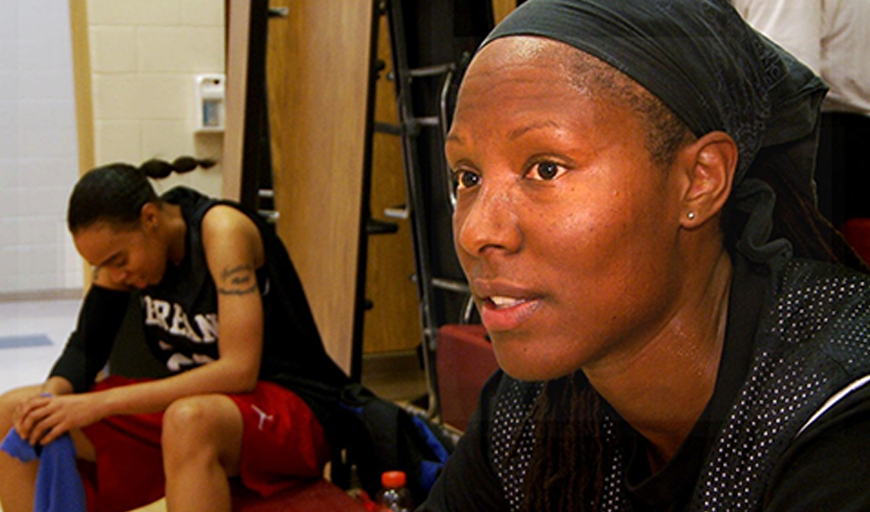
(270, 216)
(390, 128)
(450, 285)
(439, 69)
(427, 121)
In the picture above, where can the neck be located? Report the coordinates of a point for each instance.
(662, 389)
(176, 232)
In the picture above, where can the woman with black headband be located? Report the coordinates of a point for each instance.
(677, 327)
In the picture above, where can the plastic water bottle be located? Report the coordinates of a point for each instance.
(394, 496)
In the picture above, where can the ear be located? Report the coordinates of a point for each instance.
(709, 164)
(149, 216)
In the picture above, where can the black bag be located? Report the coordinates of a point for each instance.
(382, 436)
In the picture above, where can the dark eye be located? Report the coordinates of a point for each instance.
(545, 171)
(466, 179)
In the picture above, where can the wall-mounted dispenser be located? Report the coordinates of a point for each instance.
(210, 102)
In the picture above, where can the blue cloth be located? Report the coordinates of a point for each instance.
(58, 483)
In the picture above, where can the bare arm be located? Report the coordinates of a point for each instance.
(57, 386)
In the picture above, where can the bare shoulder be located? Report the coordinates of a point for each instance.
(224, 220)
(229, 233)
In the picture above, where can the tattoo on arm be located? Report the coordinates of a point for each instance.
(237, 280)
(243, 269)
(229, 291)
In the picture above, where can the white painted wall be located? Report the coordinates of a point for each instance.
(145, 56)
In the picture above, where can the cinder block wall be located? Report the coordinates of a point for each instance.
(145, 55)
(38, 160)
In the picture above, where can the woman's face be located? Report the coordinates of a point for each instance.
(131, 257)
(566, 231)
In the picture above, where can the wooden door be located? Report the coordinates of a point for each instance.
(318, 63)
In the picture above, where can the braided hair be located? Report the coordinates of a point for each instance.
(115, 193)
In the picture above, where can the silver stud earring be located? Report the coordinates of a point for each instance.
(691, 215)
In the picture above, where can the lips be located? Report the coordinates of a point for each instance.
(504, 302)
(501, 314)
(504, 306)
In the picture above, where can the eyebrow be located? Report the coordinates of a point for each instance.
(519, 132)
(109, 260)
(514, 134)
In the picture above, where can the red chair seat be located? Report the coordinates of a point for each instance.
(857, 233)
(464, 361)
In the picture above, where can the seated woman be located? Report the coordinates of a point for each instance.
(669, 336)
(251, 391)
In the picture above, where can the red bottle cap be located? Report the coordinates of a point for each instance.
(393, 479)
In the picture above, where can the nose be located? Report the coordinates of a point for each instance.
(487, 222)
(119, 275)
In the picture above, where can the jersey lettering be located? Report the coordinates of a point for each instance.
(181, 326)
(178, 361)
(208, 326)
(156, 313)
(173, 319)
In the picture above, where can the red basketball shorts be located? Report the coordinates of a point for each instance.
(282, 443)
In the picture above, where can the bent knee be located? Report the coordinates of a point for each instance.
(201, 417)
(195, 411)
(10, 400)
(202, 425)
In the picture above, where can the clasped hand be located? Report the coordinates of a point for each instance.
(40, 419)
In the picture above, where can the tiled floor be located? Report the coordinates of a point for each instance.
(30, 365)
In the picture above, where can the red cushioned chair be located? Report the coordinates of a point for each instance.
(465, 360)
(857, 233)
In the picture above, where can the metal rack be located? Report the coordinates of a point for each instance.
(415, 130)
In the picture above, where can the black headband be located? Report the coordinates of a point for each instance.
(702, 61)
(697, 56)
